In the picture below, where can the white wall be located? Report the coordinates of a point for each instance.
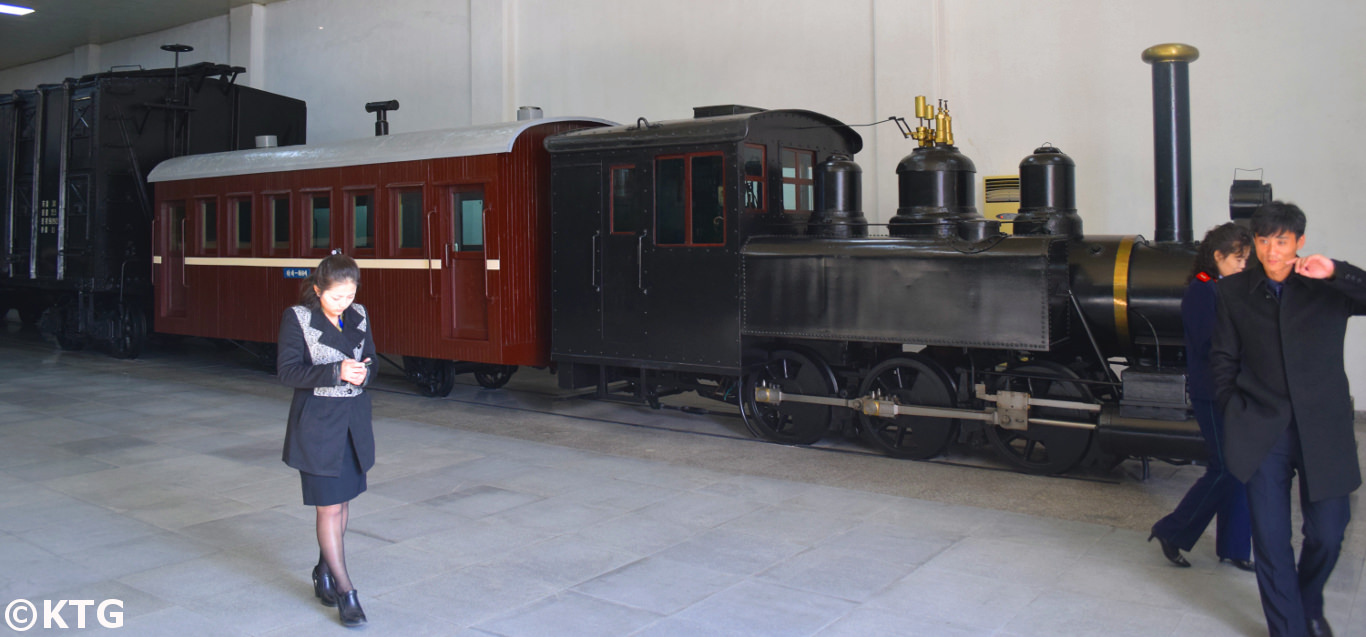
(208, 37)
(1277, 86)
(339, 54)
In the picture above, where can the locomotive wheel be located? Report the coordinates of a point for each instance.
(494, 376)
(910, 380)
(789, 422)
(131, 334)
(433, 377)
(1044, 449)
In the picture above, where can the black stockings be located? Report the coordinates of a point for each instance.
(331, 551)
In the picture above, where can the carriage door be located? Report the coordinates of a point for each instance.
(465, 312)
(173, 263)
(623, 256)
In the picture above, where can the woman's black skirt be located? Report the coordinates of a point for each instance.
(321, 491)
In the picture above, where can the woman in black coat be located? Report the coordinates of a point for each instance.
(325, 351)
(1223, 252)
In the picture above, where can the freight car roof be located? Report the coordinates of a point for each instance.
(486, 139)
(701, 130)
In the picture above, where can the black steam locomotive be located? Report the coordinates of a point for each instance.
(727, 255)
(75, 245)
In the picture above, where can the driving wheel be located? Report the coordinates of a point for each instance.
(910, 380)
(1044, 449)
(788, 422)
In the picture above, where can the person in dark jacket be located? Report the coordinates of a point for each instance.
(1277, 364)
(324, 351)
(1223, 252)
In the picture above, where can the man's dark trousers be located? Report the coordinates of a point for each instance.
(1290, 598)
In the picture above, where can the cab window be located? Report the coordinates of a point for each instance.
(798, 184)
(690, 203)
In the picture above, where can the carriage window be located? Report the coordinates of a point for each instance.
(469, 205)
(363, 214)
(279, 224)
(798, 184)
(708, 201)
(242, 214)
(177, 236)
(208, 223)
(670, 201)
(626, 208)
(753, 157)
(690, 200)
(321, 222)
(410, 219)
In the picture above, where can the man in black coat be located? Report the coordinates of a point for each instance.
(1277, 364)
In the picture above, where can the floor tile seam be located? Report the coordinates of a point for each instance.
(764, 577)
(574, 591)
(126, 512)
(657, 557)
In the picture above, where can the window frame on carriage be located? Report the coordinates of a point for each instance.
(271, 214)
(308, 240)
(204, 207)
(803, 188)
(633, 198)
(395, 222)
(349, 195)
(452, 203)
(757, 182)
(234, 246)
(688, 204)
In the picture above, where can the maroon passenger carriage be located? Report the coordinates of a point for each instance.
(451, 228)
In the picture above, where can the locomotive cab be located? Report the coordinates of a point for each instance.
(648, 226)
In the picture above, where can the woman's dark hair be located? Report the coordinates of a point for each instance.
(1229, 238)
(334, 269)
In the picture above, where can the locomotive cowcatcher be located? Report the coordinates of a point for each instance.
(77, 232)
(728, 255)
(450, 228)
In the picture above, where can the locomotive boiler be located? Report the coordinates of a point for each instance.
(75, 246)
(728, 255)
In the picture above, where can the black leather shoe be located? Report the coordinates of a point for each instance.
(1245, 565)
(1169, 551)
(1320, 628)
(324, 587)
(348, 607)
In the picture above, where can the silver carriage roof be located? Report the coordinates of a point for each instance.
(486, 139)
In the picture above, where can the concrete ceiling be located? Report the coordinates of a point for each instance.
(58, 26)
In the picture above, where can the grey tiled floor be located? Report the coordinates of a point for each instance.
(158, 482)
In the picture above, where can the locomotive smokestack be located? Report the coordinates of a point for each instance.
(1172, 138)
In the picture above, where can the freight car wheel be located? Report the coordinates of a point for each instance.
(1044, 449)
(910, 380)
(131, 335)
(494, 376)
(433, 377)
(789, 422)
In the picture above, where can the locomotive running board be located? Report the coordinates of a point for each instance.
(1011, 411)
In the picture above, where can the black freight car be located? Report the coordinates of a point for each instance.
(75, 249)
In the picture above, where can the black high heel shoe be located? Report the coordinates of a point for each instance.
(348, 608)
(324, 587)
(1245, 565)
(1169, 551)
